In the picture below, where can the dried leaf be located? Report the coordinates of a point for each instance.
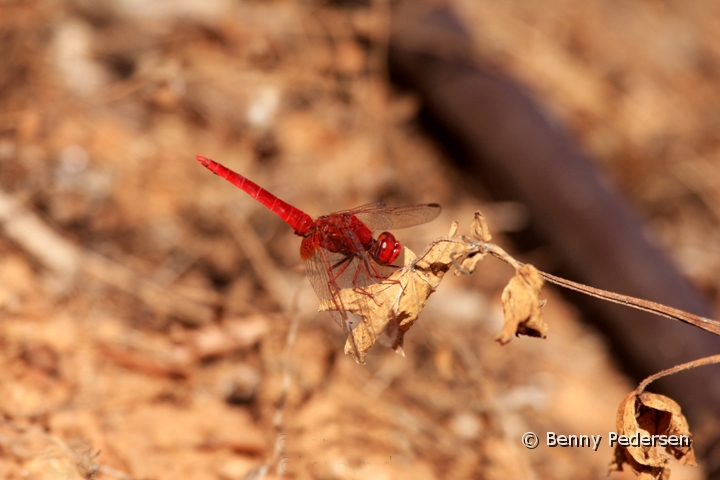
(469, 265)
(479, 229)
(388, 309)
(654, 417)
(522, 306)
(671, 412)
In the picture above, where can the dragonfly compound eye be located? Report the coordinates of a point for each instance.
(388, 249)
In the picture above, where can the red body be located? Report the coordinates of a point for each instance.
(340, 232)
(297, 219)
(338, 248)
(331, 233)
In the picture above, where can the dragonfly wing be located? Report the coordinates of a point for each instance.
(330, 272)
(368, 206)
(319, 269)
(379, 216)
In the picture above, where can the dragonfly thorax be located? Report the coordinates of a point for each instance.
(338, 233)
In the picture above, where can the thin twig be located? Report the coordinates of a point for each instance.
(713, 359)
(707, 324)
(279, 447)
(276, 285)
(498, 252)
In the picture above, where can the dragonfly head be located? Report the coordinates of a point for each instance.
(387, 249)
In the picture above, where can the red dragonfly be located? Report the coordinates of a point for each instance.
(338, 249)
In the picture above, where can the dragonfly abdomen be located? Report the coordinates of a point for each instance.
(300, 221)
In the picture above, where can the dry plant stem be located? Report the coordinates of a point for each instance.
(274, 283)
(287, 383)
(676, 369)
(498, 252)
(287, 359)
(707, 324)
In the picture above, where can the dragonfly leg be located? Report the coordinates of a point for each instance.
(372, 272)
(343, 265)
(344, 319)
(339, 268)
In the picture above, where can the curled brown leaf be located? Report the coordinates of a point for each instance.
(648, 415)
(389, 308)
(522, 306)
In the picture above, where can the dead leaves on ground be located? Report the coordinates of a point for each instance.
(154, 355)
(390, 308)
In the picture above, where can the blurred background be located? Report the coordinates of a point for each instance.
(146, 305)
